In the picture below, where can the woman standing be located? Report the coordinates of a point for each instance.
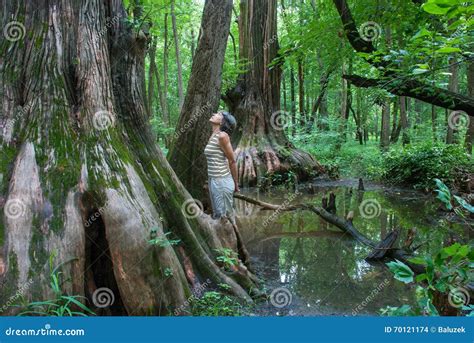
(221, 165)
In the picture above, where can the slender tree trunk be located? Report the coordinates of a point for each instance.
(376, 127)
(358, 117)
(263, 148)
(349, 98)
(301, 93)
(365, 125)
(151, 85)
(92, 197)
(323, 112)
(344, 114)
(307, 99)
(385, 126)
(404, 120)
(193, 47)
(154, 73)
(166, 50)
(178, 55)
(234, 48)
(301, 67)
(396, 128)
(320, 105)
(293, 102)
(453, 86)
(433, 123)
(469, 141)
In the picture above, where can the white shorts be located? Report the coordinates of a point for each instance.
(221, 191)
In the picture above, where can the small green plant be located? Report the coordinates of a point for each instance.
(216, 304)
(227, 257)
(288, 178)
(162, 241)
(444, 195)
(62, 304)
(446, 273)
(168, 272)
(224, 286)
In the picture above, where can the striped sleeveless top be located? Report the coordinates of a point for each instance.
(217, 165)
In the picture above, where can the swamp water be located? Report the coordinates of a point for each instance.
(314, 268)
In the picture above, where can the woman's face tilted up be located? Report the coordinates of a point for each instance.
(216, 118)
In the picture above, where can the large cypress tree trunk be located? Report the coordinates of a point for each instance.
(81, 175)
(262, 147)
(202, 98)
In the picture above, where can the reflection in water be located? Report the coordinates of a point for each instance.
(323, 268)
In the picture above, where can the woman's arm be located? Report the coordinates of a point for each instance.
(224, 142)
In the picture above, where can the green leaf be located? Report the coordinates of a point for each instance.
(433, 8)
(448, 50)
(432, 309)
(418, 71)
(441, 286)
(401, 271)
(421, 277)
(464, 203)
(81, 305)
(464, 250)
(422, 33)
(450, 250)
(455, 25)
(417, 260)
(450, 3)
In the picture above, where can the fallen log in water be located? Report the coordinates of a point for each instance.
(381, 250)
